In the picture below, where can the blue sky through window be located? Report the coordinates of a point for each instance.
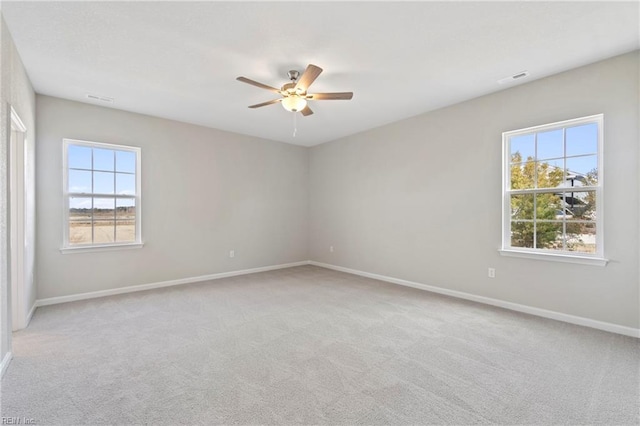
(580, 140)
(80, 157)
(100, 171)
(104, 159)
(125, 162)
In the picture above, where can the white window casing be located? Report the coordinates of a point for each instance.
(544, 209)
(84, 237)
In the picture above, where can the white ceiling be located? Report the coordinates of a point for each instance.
(179, 60)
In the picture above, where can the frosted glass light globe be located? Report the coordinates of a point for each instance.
(294, 103)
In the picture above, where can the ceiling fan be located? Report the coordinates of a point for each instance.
(294, 94)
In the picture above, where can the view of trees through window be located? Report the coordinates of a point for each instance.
(553, 178)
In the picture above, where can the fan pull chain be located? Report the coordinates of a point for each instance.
(295, 124)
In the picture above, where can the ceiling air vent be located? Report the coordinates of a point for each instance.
(514, 77)
(98, 98)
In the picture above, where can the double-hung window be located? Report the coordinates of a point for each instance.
(552, 191)
(101, 195)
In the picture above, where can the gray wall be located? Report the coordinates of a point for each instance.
(420, 199)
(204, 192)
(416, 200)
(16, 92)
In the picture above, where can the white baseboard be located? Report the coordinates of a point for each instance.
(142, 287)
(5, 363)
(30, 314)
(572, 319)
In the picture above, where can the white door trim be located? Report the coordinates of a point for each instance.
(17, 221)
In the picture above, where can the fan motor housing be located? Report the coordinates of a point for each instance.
(290, 89)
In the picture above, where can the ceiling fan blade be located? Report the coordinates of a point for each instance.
(255, 83)
(328, 96)
(310, 74)
(306, 111)
(265, 103)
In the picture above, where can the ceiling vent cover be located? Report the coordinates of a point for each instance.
(514, 77)
(98, 98)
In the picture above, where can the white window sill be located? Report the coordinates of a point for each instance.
(105, 247)
(555, 257)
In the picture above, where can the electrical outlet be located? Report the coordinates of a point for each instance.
(492, 272)
(232, 253)
(331, 249)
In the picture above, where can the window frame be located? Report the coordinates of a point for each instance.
(66, 195)
(596, 258)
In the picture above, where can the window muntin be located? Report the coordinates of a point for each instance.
(101, 194)
(552, 181)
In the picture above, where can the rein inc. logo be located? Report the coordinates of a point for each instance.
(18, 421)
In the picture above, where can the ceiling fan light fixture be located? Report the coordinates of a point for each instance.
(294, 94)
(294, 103)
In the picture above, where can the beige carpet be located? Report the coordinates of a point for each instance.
(308, 345)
